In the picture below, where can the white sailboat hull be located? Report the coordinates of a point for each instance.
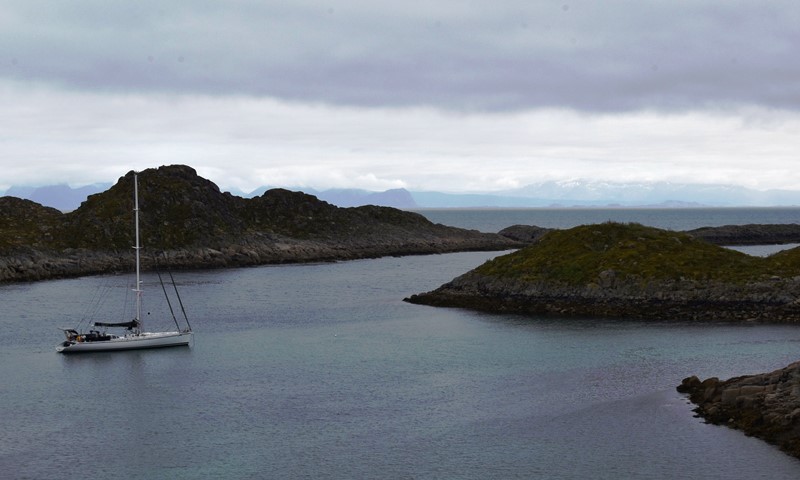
(129, 342)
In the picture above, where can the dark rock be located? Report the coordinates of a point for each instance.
(753, 234)
(524, 233)
(727, 235)
(766, 405)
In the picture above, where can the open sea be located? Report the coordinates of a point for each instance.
(321, 371)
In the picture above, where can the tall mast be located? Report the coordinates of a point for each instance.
(138, 288)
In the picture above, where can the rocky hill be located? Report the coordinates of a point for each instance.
(186, 219)
(26, 223)
(619, 270)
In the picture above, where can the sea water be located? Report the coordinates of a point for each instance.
(322, 371)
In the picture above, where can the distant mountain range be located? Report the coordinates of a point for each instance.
(580, 193)
(397, 198)
(61, 197)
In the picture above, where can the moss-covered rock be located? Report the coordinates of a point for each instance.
(582, 254)
(26, 223)
(629, 270)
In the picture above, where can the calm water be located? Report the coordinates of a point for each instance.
(321, 371)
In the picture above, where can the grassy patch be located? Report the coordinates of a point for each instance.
(579, 255)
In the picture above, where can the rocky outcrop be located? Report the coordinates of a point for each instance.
(614, 296)
(753, 234)
(524, 233)
(28, 264)
(258, 249)
(187, 222)
(728, 235)
(766, 405)
(23, 222)
(629, 271)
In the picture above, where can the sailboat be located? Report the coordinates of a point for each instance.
(135, 336)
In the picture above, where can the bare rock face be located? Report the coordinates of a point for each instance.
(766, 406)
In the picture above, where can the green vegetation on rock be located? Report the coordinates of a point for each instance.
(197, 226)
(26, 223)
(629, 271)
(580, 255)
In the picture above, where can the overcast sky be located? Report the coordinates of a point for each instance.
(427, 95)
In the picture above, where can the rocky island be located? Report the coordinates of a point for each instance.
(630, 271)
(752, 234)
(189, 223)
(728, 235)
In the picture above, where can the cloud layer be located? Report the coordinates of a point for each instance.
(447, 95)
(616, 55)
(247, 142)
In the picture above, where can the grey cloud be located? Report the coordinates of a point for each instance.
(509, 55)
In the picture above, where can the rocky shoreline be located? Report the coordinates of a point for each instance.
(28, 264)
(766, 406)
(772, 300)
